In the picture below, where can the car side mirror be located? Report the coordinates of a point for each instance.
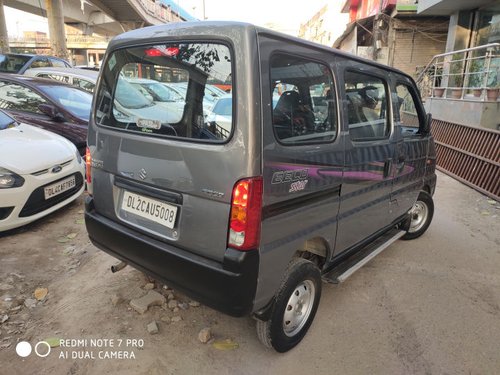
(427, 125)
(52, 112)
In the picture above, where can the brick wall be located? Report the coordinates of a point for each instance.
(416, 41)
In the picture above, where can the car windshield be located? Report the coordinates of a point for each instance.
(6, 121)
(223, 107)
(215, 91)
(130, 97)
(162, 93)
(75, 101)
(12, 63)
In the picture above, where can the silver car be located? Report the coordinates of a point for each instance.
(84, 79)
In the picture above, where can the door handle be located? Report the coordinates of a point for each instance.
(401, 163)
(387, 167)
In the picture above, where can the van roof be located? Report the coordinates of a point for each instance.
(228, 28)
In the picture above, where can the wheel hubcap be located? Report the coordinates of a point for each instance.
(418, 214)
(298, 308)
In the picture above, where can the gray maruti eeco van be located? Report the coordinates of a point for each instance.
(309, 164)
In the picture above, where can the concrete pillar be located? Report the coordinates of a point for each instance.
(4, 38)
(56, 28)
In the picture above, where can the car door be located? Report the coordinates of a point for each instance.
(412, 146)
(370, 149)
(23, 102)
(303, 153)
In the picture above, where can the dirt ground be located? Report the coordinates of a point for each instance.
(428, 306)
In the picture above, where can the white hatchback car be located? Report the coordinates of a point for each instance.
(40, 172)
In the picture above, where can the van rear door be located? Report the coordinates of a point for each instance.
(170, 172)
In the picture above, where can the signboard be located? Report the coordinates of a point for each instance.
(367, 8)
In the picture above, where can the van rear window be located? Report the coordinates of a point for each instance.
(171, 90)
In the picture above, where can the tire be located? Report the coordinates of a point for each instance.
(420, 216)
(300, 292)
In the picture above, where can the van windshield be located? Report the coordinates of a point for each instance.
(167, 90)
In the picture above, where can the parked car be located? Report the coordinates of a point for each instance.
(132, 105)
(249, 221)
(210, 96)
(212, 92)
(84, 79)
(88, 67)
(215, 91)
(40, 172)
(48, 104)
(221, 116)
(18, 63)
(155, 91)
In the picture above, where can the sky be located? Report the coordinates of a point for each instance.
(286, 14)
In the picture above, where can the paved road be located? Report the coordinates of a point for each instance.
(428, 306)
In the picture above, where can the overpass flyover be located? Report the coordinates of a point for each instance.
(108, 17)
(104, 17)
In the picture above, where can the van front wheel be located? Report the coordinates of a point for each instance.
(294, 307)
(420, 216)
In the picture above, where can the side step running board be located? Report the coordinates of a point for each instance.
(345, 269)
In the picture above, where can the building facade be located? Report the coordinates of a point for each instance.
(468, 76)
(391, 32)
(324, 26)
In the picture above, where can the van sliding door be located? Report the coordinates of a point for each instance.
(370, 145)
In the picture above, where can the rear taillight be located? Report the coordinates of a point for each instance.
(246, 207)
(88, 162)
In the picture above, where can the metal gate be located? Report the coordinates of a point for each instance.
(469, 154)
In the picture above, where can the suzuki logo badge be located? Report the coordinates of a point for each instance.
(142, 174)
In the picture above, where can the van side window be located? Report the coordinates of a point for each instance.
(405, 111)
(366, 106)
(304, 108)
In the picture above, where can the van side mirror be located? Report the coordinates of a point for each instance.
(52, 112)
(427, 125)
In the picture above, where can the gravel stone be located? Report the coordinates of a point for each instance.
(116, 299)
(205, 335)
(142, 304)
(153, 328)
(30, 303)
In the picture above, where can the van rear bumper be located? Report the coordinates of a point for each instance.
(228, 287)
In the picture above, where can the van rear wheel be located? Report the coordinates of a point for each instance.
(420, 216)
(294, 308)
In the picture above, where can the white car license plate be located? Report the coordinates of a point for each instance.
(59, 187)
(148, 208)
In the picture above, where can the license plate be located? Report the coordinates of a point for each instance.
(59, 187)
(149, 208)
